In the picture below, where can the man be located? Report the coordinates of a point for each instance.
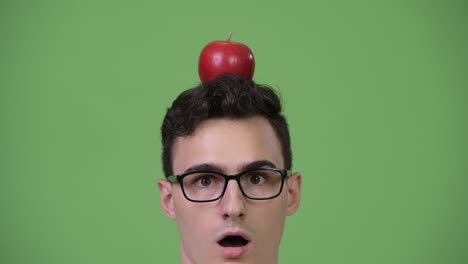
(227, 160)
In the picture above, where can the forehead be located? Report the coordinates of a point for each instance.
(229, 143)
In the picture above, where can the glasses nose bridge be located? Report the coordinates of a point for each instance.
(235, 177)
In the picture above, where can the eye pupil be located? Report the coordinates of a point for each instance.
(205, 181)
(255, 179)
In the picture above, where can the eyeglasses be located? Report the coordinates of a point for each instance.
(208, 186)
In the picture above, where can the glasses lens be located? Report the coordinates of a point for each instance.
(261, 184)
(203, 186)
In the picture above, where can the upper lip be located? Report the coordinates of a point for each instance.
(233, 233)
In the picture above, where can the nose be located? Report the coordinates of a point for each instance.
(232, 204)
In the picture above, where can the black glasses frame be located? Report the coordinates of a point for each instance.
(179, 178)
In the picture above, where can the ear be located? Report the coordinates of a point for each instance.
(167, 199)
(294, 193)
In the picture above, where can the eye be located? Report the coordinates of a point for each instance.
(202, 180)
(256, 179)
(205, 180)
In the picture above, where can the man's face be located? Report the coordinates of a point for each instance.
(229, 145)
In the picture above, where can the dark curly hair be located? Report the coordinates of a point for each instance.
(227, 96)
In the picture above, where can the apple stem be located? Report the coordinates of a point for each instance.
(229, 36)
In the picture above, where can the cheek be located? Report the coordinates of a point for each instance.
(270, 218)
(193, 222)
(188, 217)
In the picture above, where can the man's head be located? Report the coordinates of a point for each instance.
(228, 126)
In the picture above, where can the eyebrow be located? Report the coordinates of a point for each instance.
(256, 165)
(220, 169)
(205, 167)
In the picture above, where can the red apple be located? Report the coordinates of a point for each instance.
(219, 57)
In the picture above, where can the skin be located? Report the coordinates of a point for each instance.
(229, 144)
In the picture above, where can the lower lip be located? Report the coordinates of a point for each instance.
(233, 252)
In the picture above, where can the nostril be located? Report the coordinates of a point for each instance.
(232, 204)
(227, 215)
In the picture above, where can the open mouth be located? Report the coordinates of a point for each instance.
(233, 241)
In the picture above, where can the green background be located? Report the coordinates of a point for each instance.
(375, 92)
